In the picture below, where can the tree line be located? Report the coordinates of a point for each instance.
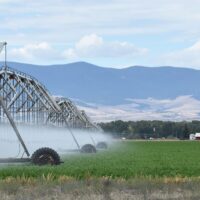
(151, 129)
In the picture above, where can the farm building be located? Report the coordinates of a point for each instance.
(195, 136)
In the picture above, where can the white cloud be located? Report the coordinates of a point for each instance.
(66, 20)
(63, 22)
(40, 51)
(188, 57)
(94, 46)
(89, 46)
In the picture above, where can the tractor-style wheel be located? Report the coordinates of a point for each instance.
(88, 148)
(101, 145)
(45, 156)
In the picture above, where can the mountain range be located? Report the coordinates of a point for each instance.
(159, 91)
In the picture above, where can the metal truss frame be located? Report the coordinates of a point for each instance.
(29, 102)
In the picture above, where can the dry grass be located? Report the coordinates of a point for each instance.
(65, 188)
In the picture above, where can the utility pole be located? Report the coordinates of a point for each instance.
(4, 45)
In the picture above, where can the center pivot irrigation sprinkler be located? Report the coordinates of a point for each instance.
(87, 148)
(67, 106)
(26, 100)
(97, 145)
(41, 156)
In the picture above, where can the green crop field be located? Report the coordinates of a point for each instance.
(128, 159)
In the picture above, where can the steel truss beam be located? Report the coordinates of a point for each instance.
(28, 101)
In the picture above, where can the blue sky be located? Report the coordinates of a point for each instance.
(112, 33)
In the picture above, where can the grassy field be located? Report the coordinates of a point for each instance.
(126, 160)
(127, 170)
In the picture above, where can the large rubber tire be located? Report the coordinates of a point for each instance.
(88, 148)
(45, 156)
(101, 145)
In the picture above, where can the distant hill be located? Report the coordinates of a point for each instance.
(108, 86)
